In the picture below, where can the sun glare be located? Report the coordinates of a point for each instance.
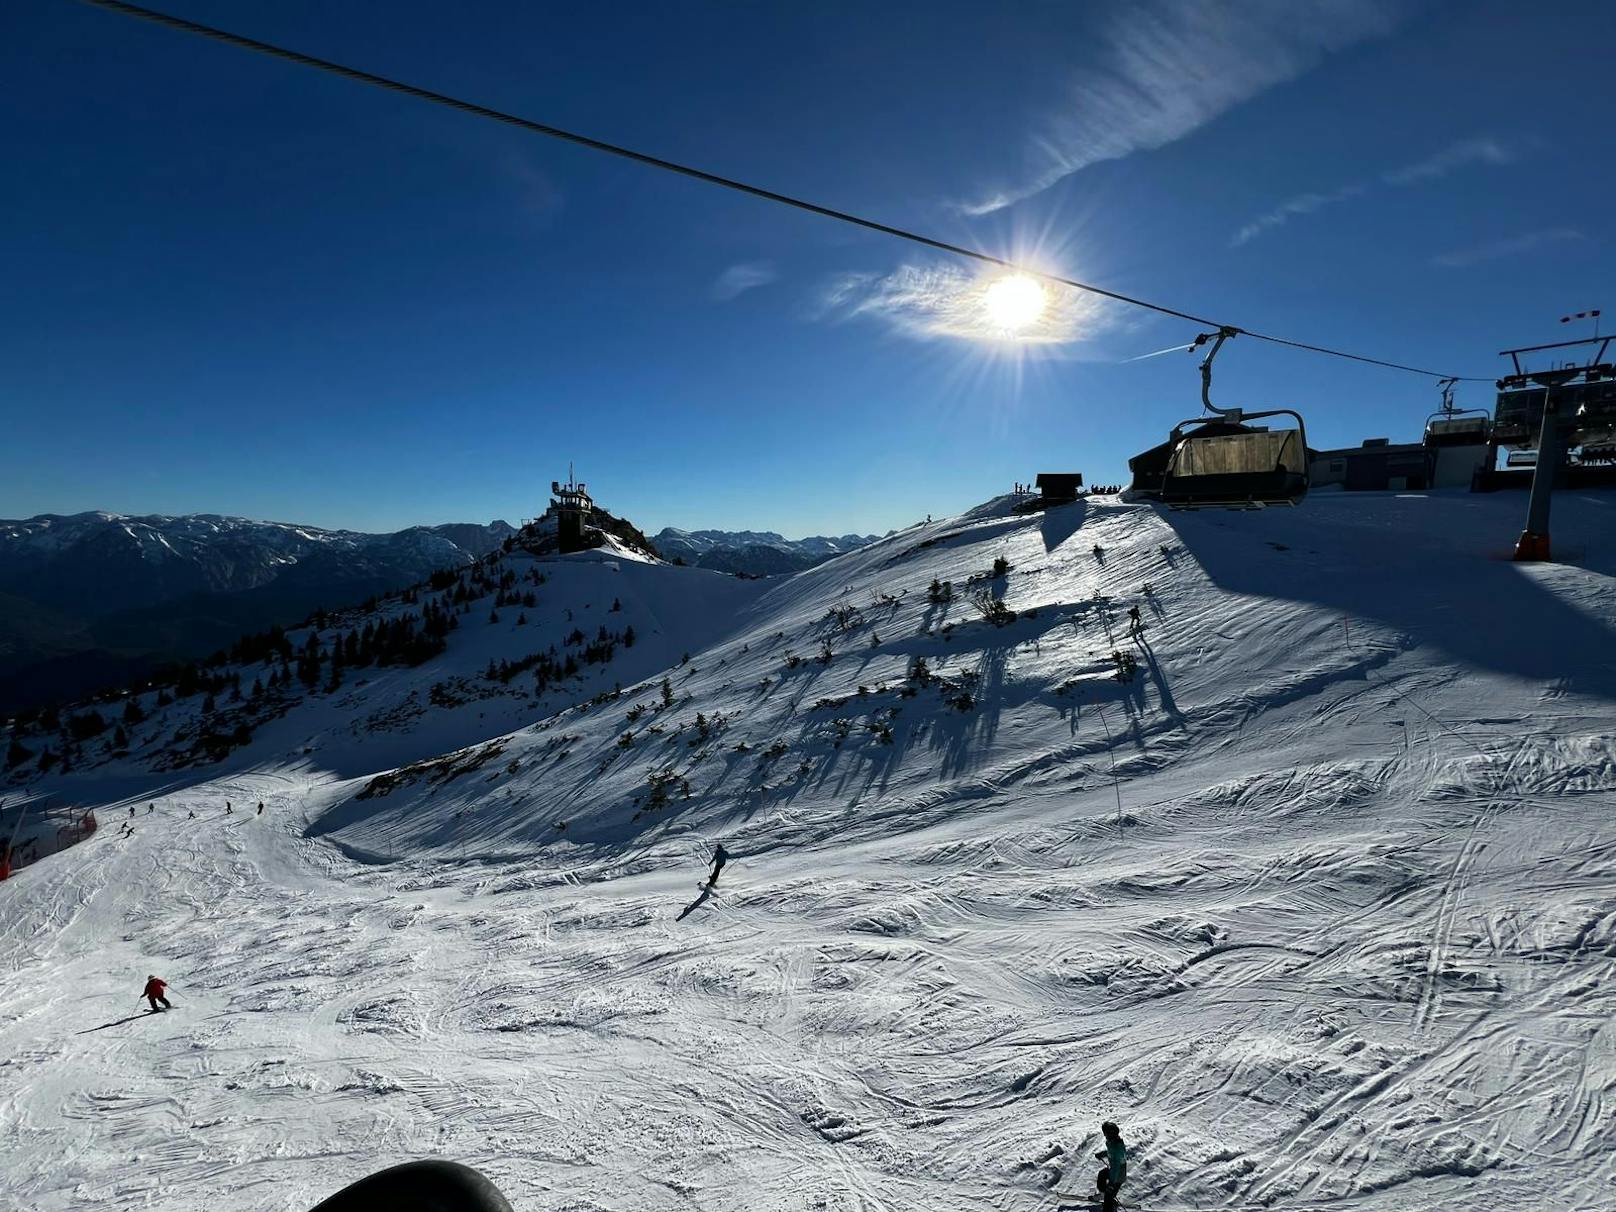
(1014, 303)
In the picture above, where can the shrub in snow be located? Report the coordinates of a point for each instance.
(992, 608)
(844, 616)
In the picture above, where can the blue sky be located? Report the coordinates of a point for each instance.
(238, 286)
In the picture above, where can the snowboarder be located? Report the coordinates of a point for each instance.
(720, 857)
(153, 993)
(1115, 1155)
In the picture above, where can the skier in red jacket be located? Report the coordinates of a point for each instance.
(153, 993)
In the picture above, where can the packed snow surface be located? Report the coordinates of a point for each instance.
(1319, 905)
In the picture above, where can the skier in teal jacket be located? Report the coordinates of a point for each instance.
(1115, 1155)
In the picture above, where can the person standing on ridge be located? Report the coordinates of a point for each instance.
(153, 993)
(720, 857)
(1115, 1155)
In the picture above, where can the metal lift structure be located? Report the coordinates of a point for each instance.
(1568, 406)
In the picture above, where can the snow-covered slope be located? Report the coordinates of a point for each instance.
(1318, 904)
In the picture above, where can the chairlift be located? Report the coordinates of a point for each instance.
(1224, 462)
(1454, 426)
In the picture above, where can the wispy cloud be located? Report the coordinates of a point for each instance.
(946, 301)
(540, 197)
(1459, 155)
(1165, 68)
(1513, 246)
(1464, 154)
(1302, 204)
(738, 279)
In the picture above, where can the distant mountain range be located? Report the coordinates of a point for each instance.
(753, 552)
(91, 599)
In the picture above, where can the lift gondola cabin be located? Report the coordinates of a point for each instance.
(1222, 461)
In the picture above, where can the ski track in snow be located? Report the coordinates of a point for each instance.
(1349, 945)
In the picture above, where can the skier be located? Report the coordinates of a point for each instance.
(228, 810)
(191, 815)
(1135, 623)
(720, 857)
(150, 808)
(153, 993)
(260, 808)
(131, 810)
(1115, 1155)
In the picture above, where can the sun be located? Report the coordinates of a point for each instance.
(1013, 303)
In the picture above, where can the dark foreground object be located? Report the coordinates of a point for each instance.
(429, 1186)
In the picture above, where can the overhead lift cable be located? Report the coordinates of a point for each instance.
(756, 191)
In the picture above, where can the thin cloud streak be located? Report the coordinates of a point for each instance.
(738, 279)
(1464, 154)
(1168, 67)
(1511, 247)
(943, 301)
(1459, 155)
(1302, 204)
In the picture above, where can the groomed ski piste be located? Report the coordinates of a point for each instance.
(1320, 905)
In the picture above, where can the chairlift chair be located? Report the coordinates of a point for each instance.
(1226, 463)
(1453, 426)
